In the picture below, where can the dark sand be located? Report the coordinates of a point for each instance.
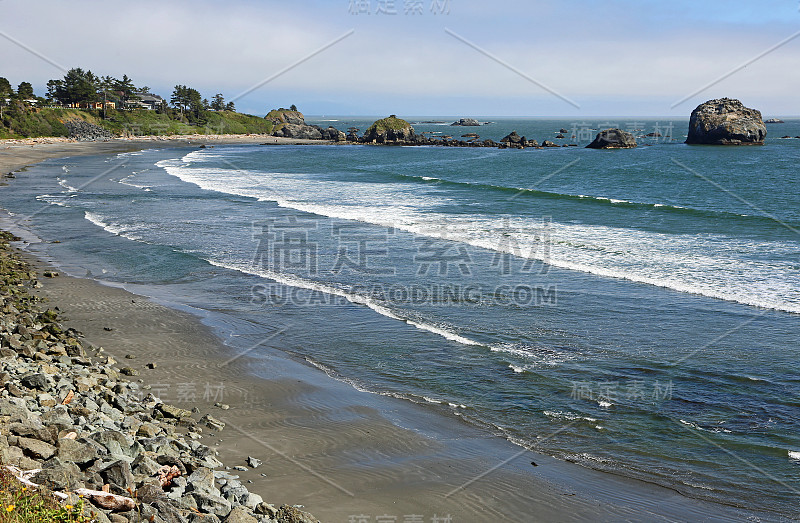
(337, 451)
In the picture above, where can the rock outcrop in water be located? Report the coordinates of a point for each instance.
(292, 124)
(726, 121)
(515, 141)
(613, 139)
(467, 122)
(391, 131)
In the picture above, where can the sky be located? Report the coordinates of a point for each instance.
(457, 58)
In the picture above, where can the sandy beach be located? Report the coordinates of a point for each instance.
(338, 452)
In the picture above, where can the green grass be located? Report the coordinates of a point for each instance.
(27, 122)
(21, 504)
(385, 124)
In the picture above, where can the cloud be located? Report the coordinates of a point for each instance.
(592, 53)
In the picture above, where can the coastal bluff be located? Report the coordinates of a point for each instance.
(726, 121)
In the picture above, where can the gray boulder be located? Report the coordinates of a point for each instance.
(299, 131)
(726, 121)
(613, 139)
(512, 138)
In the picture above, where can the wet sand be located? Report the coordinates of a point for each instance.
(337, 451)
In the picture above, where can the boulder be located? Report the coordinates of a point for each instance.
(613, 139)
(240, 515)
(292, 514)
(76, 452)
(299, 131)
(774, 120)
(56, 475)
(512, 138)
(548, 143)
(35, 381)
(726, 121)
(467, 122)
(35, 448)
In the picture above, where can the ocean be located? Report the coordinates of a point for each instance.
(633, 311)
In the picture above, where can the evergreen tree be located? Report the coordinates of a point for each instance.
(5, 88)
(293, 107)
(180, 97)
(218, 102)
(230, 107)
(25, 91)
(126, 87)
(5, 92)
(52, 89)
(77, 86)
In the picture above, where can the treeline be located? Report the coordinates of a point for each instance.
(84, 89)
(120, 106)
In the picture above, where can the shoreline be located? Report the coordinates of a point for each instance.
(371, 449)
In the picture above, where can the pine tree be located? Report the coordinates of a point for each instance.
(218, 102)
(25, 91)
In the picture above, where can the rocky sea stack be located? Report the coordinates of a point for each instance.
(467, 122)
(726, 121)
(391, 130)
(613, 139)
(292, 124)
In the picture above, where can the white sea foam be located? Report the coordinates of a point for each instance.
(794, 454)
(63, 183)
(296, 281)
(128, 181)
(692, 264)
(53, 199)
(98, 220)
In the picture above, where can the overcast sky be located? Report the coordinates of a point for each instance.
(422, 57)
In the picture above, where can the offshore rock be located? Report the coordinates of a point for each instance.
(391, 130)
(467, 122)
(726, 121)
(613, 139)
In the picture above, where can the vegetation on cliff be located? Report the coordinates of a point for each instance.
(117, 106)
(383, 125)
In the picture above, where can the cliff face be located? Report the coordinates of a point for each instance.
(726, 121)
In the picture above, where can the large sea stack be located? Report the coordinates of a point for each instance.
(726, 121)
(292, 124)
(391, 130)
(613, 139)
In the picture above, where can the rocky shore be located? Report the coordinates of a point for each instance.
(72, 426)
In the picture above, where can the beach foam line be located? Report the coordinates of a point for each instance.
(63, 183)
(296, 281)
(255, 189)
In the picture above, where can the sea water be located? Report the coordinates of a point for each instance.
(634, 311)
